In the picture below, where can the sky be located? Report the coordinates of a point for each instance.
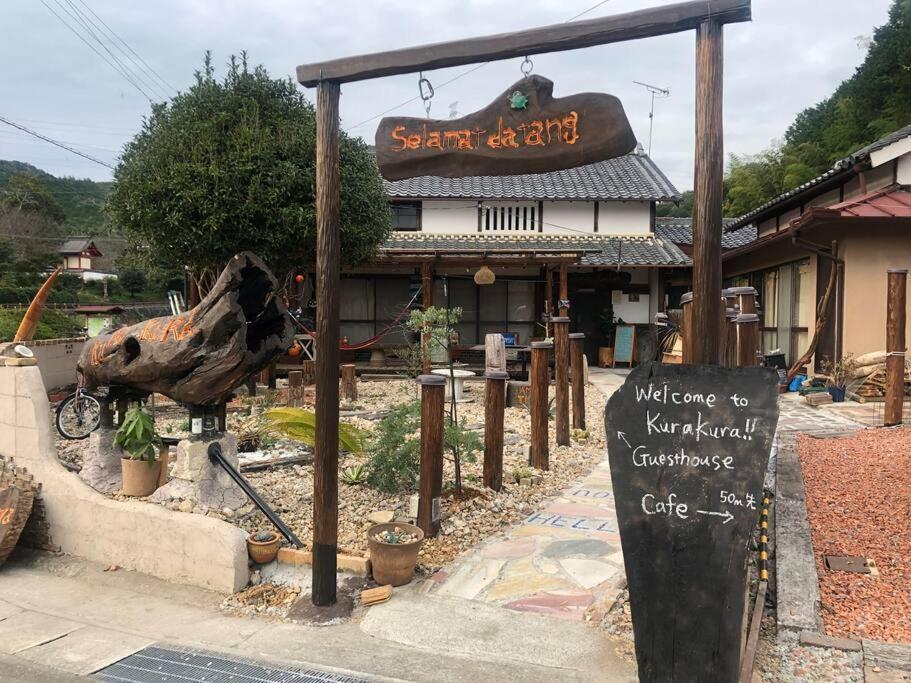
(793, 54)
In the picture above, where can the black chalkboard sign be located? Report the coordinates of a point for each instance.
(688, 447)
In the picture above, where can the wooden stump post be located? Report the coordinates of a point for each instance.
(686, 326)
(747, 325)
(576, 354)
(349, 382)
(561, 378)
(309, 370)
(295, 389)
(746, 298)
(896, 312)
(540, 383)
(325, 461)
(707, 194)
(494, 406)
(494, 352)
(564, 291)
(431, 481)
(427, 291)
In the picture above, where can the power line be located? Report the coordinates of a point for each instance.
(95, 50)
(148, 68)
(461, 75)
(54, 142)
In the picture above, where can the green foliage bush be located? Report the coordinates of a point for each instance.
(395, 450)
(53, 324)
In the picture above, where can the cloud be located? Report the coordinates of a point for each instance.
(774, 66)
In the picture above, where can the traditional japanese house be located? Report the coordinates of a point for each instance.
(596, 223)
(862, 207)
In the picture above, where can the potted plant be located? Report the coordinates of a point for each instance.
(138, 439)
(837, 375)
(262, 546)
(394, 551)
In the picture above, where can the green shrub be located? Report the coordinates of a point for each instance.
(395, 450)
(53, 325)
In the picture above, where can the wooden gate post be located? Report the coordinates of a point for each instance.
(494, 406)
(427, 292)
(686, 326)
(561, 378)
(707, 191)
(295, 388)
(431, 482)
(325, 460)
(349, 382)
(895, 345)
(577, 364)
(540, 383)
(747, 325)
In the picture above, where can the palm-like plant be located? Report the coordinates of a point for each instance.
(300, 425)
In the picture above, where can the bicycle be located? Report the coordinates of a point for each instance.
(78, 415)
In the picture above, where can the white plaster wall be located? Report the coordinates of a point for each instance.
(176, 546)
(632, 311)
(904, 168)
(624, 218)
(57, 360)
(449, 216)
(577, 216)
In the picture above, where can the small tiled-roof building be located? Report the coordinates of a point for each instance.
(78, 254)
(596, 221)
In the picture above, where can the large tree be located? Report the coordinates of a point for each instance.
(230, 165)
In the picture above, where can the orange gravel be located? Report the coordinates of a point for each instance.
(859, 503)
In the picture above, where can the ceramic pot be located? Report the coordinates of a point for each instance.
(393, 563)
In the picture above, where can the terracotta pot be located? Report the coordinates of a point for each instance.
(263, 552)
(393, 563)
(139, 477)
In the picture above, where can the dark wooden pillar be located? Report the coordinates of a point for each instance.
(431, 482)
(494, 407)
(747, 325)
(564, 291)
(746, 298)
(561, 378)
(896, 312)
(349, 382)
(540, 383)
(730, 351)
(709, 171)
(325, 461)
(548, 293)
(686, 326)
(577, 363)
(427, 291)
(295, 389)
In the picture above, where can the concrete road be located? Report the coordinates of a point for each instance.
(18, 670)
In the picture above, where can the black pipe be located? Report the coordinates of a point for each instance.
(217, 457)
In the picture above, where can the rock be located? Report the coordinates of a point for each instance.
(101, 462)
(381, 517)
(186, 505)
(255, 578)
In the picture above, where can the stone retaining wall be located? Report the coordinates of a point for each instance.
(185, 548)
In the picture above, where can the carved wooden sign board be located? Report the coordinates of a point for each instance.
(688, 447)
(524, 130)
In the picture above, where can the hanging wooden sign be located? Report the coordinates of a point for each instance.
(525, 130)
(688, 448)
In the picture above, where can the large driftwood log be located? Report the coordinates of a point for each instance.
(201, 356)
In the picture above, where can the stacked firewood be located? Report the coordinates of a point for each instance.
(869, 383)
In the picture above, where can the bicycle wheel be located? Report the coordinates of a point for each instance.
(77, 421)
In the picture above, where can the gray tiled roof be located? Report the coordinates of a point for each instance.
(630, 177)
(842, 166)
(600, 250)
(75, 246)
(680, 231)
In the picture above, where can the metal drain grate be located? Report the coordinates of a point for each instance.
(166, 665)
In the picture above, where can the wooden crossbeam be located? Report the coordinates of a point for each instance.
(655, 21)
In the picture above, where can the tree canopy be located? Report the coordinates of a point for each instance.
(230, 165)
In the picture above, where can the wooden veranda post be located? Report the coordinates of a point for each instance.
(577, 363)
(564, 291)
(325, 461)
(896, 313)
(494, 406)
(707, 189)
(430, 485)
(561, 379)
(427, 291)
(540, 383)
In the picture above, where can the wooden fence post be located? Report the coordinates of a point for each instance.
(295, 388)
(730, 350)
(746, 298)
(686, 326)
(540, 383)
(747, 325)
(427, 302)
(349, 382)
(577, 363)
(896, 312)
(561, 377)
(431, 482)
(325, 460)
(494, 406)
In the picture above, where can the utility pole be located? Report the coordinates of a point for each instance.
(655, 91)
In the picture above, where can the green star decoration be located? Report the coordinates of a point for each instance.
(518, 100)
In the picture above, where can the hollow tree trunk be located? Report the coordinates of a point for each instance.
(201, 356)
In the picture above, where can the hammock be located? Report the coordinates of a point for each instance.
(372, 340)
